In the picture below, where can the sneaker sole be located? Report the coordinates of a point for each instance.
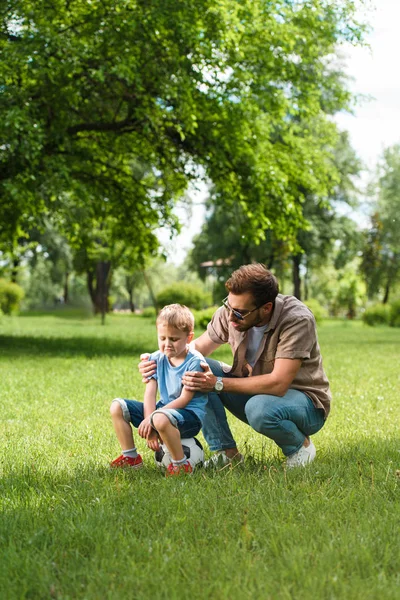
(113, 467)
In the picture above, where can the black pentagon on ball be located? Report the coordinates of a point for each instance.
(159, 455)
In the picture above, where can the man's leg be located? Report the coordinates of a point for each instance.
(288, 420)
(216, 430)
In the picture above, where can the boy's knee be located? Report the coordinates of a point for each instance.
(116, 409)
(160, 421)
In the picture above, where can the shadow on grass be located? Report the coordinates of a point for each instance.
(60, 313)
(90, 347)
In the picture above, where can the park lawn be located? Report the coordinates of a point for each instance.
(72, 529)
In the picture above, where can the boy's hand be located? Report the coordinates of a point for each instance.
(146, 367)
(153, 441)
(145, 428)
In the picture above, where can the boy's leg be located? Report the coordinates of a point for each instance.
(173, 425)
(123, 413)
(287, 420)
(122, 427)
(170, 435)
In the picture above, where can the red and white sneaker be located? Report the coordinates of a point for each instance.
(122, 462)
(176, 470)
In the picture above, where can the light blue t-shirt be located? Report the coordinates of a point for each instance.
(169, 380)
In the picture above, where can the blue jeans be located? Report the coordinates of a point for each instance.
(185, 420)
(286, 420)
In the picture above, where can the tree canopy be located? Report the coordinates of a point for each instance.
(112, 106)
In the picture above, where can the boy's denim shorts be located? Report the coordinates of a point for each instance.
(185, 420)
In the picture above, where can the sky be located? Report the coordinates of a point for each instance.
(375, 122)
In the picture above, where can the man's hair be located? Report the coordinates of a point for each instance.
(257, 280)
(178, 316)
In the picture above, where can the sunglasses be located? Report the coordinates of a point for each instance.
(240, 315)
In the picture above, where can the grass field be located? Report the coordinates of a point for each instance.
(72, 529)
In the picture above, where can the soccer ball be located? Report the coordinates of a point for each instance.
(191, 447)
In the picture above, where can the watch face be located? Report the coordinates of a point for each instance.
(219, 385)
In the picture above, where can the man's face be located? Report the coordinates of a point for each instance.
(254, 316)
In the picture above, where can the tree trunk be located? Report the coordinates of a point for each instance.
(387, 292)
(90, 285)
(99, 294)
(130, 287)
(306, 286)
(296, 276)
(66, 287)
(103, 268)
(14, 271)
(150, 288)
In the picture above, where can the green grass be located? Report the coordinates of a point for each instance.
(71, 529)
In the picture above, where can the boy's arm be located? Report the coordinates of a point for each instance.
(149, 401)
(183, 400)
(150, 397)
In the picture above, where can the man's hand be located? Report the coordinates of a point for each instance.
(146, 367)
(145, 429)
(197, 381)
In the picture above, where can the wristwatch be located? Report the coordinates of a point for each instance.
(219, 385)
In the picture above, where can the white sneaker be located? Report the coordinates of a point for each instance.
(302, 457)
(220, 460)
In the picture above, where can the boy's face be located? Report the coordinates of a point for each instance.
(171, 341)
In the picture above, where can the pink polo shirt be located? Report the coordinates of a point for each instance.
(291, 333)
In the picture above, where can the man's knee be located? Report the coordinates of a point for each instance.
(259, 412)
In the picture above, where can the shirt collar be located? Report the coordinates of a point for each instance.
(276, 313)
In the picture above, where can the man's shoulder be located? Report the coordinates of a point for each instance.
(289, 311)
(218, 328)
(290, 306)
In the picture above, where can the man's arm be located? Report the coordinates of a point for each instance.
(276, 383)
(204, 344)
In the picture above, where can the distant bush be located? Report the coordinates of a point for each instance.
(11, 295)
(317, 309)
(377, 314)
(148, 312)
(203, 317)
(189, 294)
(394, 314)
(1, 315)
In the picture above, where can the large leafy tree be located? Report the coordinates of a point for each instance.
(91, 90)
(327, 232)
(381, 255)
(327, 225)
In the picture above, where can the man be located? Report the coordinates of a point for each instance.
(276, 384)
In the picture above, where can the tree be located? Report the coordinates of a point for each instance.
(327, 227)
(91, 90)
(381, 255)
(218, 249)
(324, 228)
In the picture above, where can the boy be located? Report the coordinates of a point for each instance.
(179, 413)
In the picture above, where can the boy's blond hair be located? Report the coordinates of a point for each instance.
(178, 316)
